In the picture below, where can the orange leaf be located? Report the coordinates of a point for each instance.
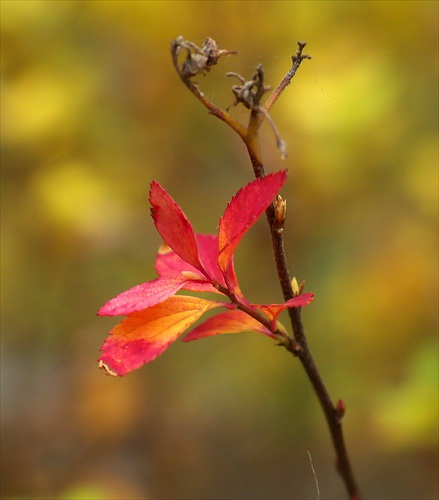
(146, 334)
(227, 322)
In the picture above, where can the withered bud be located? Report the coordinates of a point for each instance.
(210, 49)
(199, 60)
(250, 92)
(280, 213)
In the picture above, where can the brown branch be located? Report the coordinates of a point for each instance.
(332, 413)
(176, 46)
(250, 94)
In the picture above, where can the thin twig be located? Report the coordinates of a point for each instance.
(297, 61)
(278, 331)
(195, 89)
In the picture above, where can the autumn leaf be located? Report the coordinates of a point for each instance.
(273, 310)
(242, 212)
(142, 296)
(227, 322)
(169, 263)
(156, 316)
(146, 334)
(173, 226)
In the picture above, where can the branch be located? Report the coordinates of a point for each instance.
(250, 93)
(278, 331)
(332, 413)
(186, 75)
(297, 61)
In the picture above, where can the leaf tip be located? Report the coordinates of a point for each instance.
(108, 370)
(106, 310)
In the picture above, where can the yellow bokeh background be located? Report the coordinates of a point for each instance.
(92, 112)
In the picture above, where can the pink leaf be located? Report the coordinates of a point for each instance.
(144, 335)
(245, 208)
(145, 295)
(169, 263)
(227, 322)
(173, 226)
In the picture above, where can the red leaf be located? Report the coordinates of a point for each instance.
(146, 334)
(228, 322)
(241, 213)
(232, 284)
(173, 226)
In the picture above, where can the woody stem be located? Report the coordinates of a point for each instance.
(299, 345)
(332, 414)
(280, 334)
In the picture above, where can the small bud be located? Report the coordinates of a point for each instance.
(340, 409)
(280, 213)
(295, 287)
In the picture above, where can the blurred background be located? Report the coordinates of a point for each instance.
(92, 112)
